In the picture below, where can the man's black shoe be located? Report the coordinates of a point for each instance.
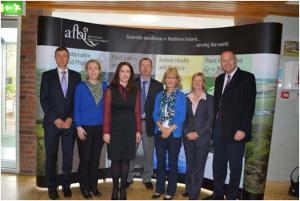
(128, 183)
(156, 195)
(185, 194)
(148, 185)
(214, 197)
(96, 192)
(86, 194)
(67, 192)
(53, 195)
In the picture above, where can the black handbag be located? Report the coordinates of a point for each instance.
(294, 188)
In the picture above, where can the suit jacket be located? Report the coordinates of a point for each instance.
(201, 122)
(52, 99)
(237, 104)
(154, 88)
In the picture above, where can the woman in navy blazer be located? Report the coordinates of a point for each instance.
(197, 135)
(169, 115)
(88, 112)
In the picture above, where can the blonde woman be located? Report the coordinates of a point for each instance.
(197, 135)
(169, 115)
(88, 112)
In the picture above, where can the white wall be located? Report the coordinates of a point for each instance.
(284, 154)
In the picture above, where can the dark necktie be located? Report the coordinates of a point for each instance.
(227, 82)
(143, 97)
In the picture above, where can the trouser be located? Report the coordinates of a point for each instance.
(148, 148)
(52, 136)
(89, 154)
(233, 154)
(170, 145)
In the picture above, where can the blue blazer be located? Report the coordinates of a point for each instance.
(180, 112)
(86, 111)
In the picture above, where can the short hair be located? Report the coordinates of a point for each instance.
(99, 67)
(145, 59)
(203, 78)
(60, 49)
(173, 71)
(116, 79)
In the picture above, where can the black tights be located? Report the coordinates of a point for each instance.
(119, 169)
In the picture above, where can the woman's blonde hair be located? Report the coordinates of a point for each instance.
(99, 67)
(203, 78)
(172, 71)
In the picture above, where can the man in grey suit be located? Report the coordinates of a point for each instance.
(149, 88)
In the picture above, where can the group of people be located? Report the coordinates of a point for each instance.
(131, 110)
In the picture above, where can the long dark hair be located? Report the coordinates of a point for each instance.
(131, 86)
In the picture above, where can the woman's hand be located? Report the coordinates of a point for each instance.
(165, 132)
(106, 138)
(138, 137)
(81, 133)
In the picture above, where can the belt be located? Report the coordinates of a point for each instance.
(143, 119)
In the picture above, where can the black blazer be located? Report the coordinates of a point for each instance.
(154, 88)
(237, 106)
(201, 122)
(53, 102)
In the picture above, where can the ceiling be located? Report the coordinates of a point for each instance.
(257, 9)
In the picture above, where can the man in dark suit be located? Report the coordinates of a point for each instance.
(149, 88)
(57, 100)
(234, 104)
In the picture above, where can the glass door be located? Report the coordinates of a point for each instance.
(9, 94)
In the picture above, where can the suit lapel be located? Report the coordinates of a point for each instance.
(58, 86)
(70, 82)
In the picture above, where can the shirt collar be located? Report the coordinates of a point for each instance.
(61, 70)
(232, 73)
(203, 96)
(148, 80)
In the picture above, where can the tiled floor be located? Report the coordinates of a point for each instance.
(15, 187)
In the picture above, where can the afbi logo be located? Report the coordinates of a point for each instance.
(90, 40)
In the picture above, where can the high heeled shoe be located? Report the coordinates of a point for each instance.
(123, 195)
(115, 194)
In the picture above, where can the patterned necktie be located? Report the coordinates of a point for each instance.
(143, 97)
(227, 82)
(63, 83)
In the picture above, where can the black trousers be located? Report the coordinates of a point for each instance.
(52, 136)
(233, 154)
(89, 154)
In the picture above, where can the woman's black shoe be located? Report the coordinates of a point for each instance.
(86, 194)
(115, 194)
(123, 195)
(185, 194)
(168, 197)
(95, 192)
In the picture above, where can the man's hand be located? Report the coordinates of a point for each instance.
(192, 136)
(239, 135)
(59, 123)
(106, 138)
(67, 124)
(81, 133)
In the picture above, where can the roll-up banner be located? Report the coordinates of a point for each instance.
(257, 47)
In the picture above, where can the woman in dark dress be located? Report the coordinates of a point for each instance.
(122, 125)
